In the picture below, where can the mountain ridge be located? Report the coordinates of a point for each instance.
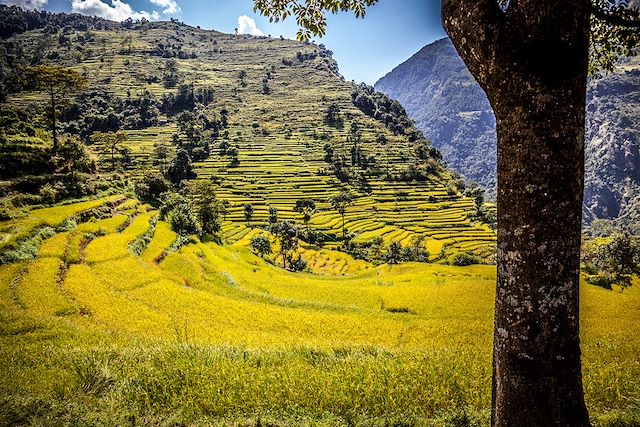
(464, 128)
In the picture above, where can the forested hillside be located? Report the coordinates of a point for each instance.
(451, 109)
(268, 121)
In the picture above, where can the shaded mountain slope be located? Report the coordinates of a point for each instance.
(450, 108)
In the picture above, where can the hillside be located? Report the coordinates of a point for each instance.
(450, 108)
(208, 92)
(223, 232)
(99, 329)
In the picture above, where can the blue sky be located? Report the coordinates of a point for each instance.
(366, 49)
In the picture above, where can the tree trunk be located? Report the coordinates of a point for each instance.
(537, 375)
(532, 61)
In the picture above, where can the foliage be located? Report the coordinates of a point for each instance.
(56, 82)
(181, 168)
(311, 17)
(340, 203)
(273, 215)
(611, 41)
(151, 186)
(332, 114)
(71, 157)
(462, 259)
(206, 207)
(394, 253)
(286, 235)
(27, 249)
(176, 210)
(112, 142)
(306, 207)
(614, 260)
(16, 20)
(261, 245)
(248, 213)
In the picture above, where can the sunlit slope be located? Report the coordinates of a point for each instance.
(280, 135)
(216, 331)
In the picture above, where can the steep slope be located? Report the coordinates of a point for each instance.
(274, 94)
(450, 108)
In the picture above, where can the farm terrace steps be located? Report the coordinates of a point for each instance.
(280, 136)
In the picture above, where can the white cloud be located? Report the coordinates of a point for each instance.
(171, 7)
(117, 11)
(247, 25)
(635, 4)
(27, 4)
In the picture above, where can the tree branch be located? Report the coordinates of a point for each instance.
(475, 30)
(613, 19)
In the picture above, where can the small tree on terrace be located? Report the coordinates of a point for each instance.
(306, 207)
(71, 157)
(248, 213)
(332, 115)
(273, 215)
(261, 245)
(57, 83)
(287, 238)
(205, 205)
(111, 142)
(340, 203)
(162, 152)
(394, 253)
(181, 168)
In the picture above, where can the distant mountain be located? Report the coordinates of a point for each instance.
(449, 107)
(440, 94)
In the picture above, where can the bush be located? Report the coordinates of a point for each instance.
(298, 264)
(602, 280)
(27, 249)
(151, 186)
(462, 259)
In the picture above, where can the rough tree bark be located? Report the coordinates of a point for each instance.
(532, 61)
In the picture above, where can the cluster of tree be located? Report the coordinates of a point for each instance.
(374, 250)
(286, 237)
(172, 50)
(51, 175)
(195, 211)
(197, 133)
(98, 111)
(612, 260)
(186, 98)
(386, 110)
(170, 76)
(332, 115)
(15, 121)
(230, 151)
(15, 20)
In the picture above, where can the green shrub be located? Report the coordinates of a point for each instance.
(27, 249)
(462, 259)
(602, 280)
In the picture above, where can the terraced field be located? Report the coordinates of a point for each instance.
(280, 135)
(93, 332)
